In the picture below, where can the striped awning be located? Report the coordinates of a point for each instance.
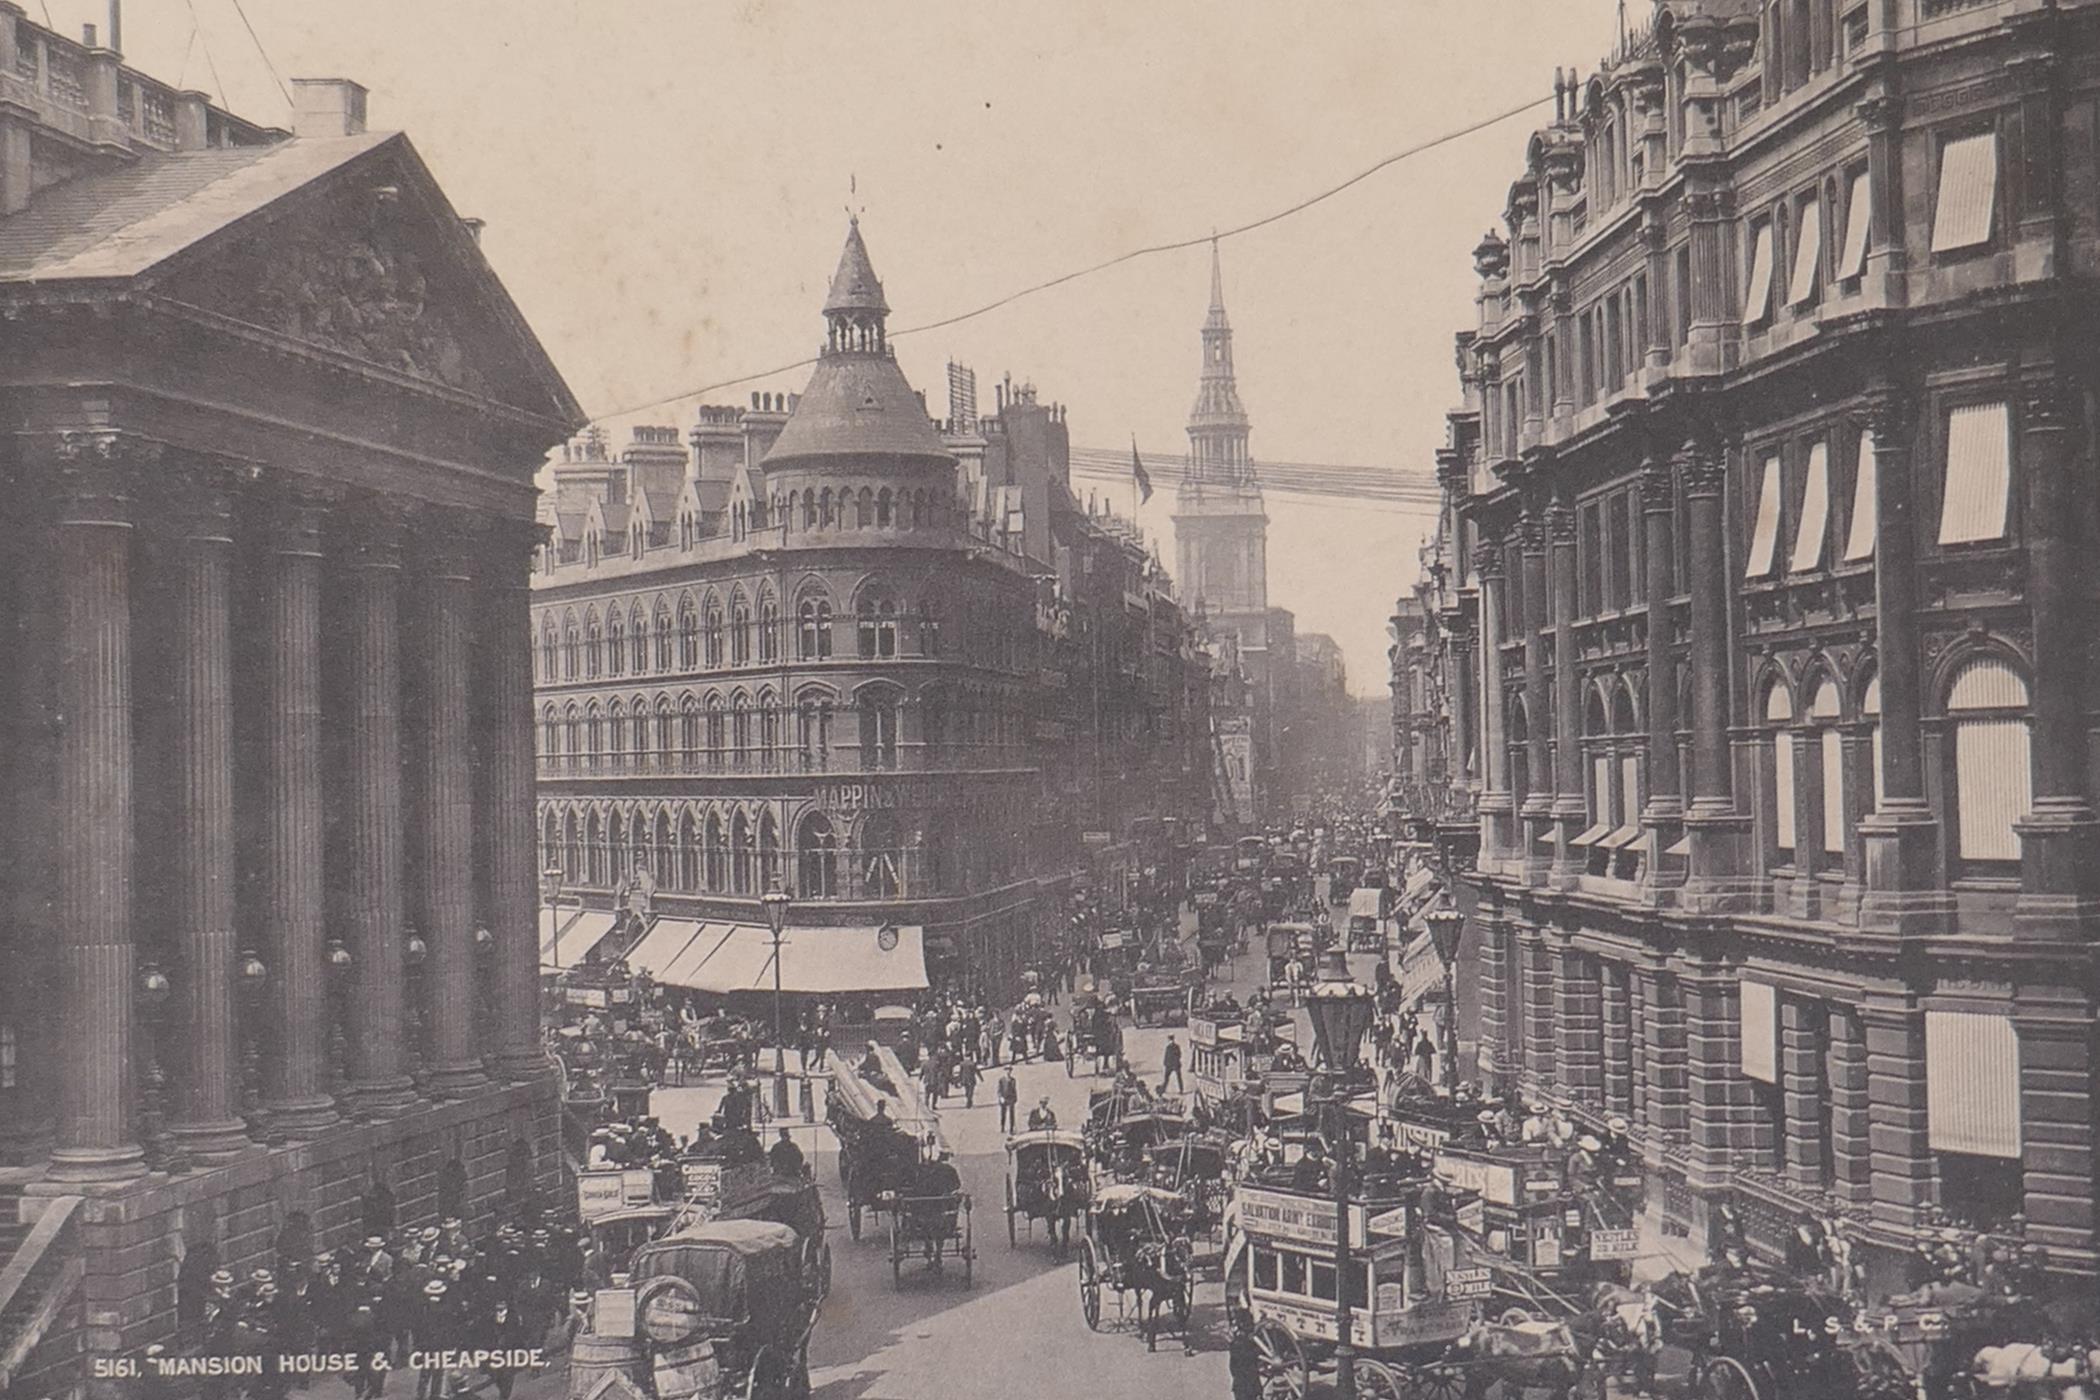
(1421, 970)
(1764, 530)
(1859, 213)
(1757, 295)
(1968, 198)
(1979, 473)
(723, 958)
(1859, 539)
(1972, 1083)
(1808, 251)
(1760, 1005)
(568, 935)
(1810, 539)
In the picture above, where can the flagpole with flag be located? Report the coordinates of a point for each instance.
(1140, 479)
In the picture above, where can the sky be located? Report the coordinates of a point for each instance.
(666, 185)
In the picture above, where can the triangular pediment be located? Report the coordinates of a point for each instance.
(369, 261)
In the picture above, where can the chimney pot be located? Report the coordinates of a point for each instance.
(474, 228)
(328, 107)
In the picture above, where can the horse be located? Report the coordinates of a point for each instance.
(1522, 1353)
(1163, 1272)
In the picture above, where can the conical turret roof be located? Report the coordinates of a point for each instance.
(855, 287)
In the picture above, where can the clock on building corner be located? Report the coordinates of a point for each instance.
(886, 938)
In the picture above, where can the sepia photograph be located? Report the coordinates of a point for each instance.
(779, 700)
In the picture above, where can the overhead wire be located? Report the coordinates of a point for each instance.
(256, 39)
(1176, 246)
(210, 63)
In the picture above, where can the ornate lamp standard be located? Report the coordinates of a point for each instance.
(1341, 1010)
(251, 974)
(1446, 925)
(775, 901)
(154, 989)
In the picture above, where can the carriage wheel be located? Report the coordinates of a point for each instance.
(1377, 1381)
(1438, 1380)
(769, 1376)
(853, 1218)
(1089, 1286)
(1284, 1373)
(1728, 1379)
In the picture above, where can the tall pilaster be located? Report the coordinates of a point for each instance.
(1900, 840)
(506, 803)
(1537, 811)
(97, 1135)
(1664, 815)
(1570, 807)
(207, 1121)
(1899, 1130)
(295, 1102)
(445, 804)
(1498, 837)
(1850, 1146)
(371, 581)
(1720, 1107)
(1718, 835)
(2060, 837)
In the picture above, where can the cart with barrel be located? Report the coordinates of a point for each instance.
(727, 1310)
(1047, 1179)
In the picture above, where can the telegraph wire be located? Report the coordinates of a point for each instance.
(209, 62)
(1174, 247)
(242, 11)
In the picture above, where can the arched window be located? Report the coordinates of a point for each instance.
(867, 506)
(878, 706)
(615, 644)
(739, 631)
(1823, 714)
(637, 640)
(714, 634)
(594, 854)
(769, 871)
(929, 629)
(878, 624)
(616, 733)
(644, 750)
(572, 736)
(688, 854)
(768, 731)
(880, 858)
(593, 745)
(571, 849)
(824, 515)
(1993, 759)
(619, 864)
(688, 634)
(816, 629)
(572, 648)
(593, 645)
(740, 730)
(1870, 711)
(740, 865)
(689, 733)
(666, 869)
(809, 510)
(883, 501)
(663, 638)
(813, 733)
(1779, 713)
(717, 853)
(717, 731)
(850, 514)
(550, 739)
(768, 629)
(550, 650)
(816, 858)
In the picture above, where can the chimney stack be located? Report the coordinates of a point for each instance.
(474, 228)
(327, 107)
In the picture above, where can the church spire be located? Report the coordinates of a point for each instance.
(855, 310)
(1217, 424)
(1217, 288)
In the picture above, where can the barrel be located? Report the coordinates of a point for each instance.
(592, 1358)
(687, 1370)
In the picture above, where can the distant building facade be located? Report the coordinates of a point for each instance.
(1767, 498)
(828, 643)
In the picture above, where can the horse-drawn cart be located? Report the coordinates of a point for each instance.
(728, 1310)
(1137, 1244)
(1046, 1180)
(934, 1227)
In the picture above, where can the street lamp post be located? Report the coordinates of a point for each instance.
(1341, 1010)
(775, 901)
(1445, 926)
(553, 875)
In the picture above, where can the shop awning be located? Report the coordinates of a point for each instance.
(1421, 970)
(726, 958)
(1421, 880)
(568, 935)
(1624, 836)
(1592, 835)
(1367, 903)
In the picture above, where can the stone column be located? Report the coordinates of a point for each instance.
(206, 1121)
(293, 857)
(1538, 704)
(1901, 839)
(1570, 806)
(506, 800)
(1618, 1037)
(1535, 980)
(1850, 1148)
(445, 803)
(1901, 1155)
(97, 1134)
(1578, 1027)
(1720, 1105)
(1497, 809)
(370, 587)
(1458, 628)
(1717, 833)
(1495, 1011)
(2060, 837)
(1664, 816)
(2058, 1053)
(1801, 1077)
(1666, 1078)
